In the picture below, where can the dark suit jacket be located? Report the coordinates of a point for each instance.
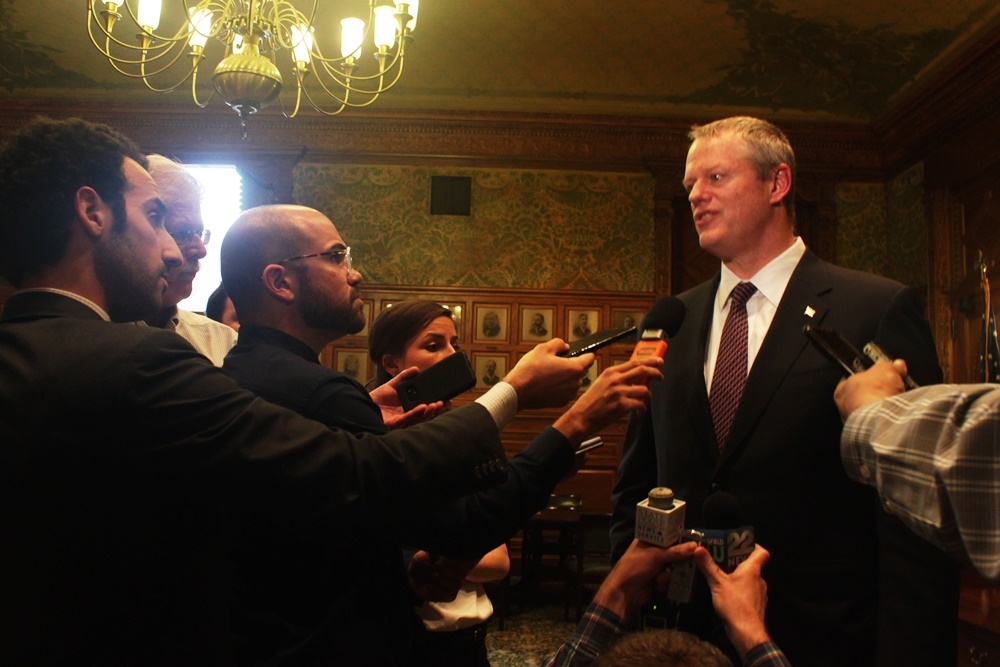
(341, 597)
(118, 444)
(832, 589)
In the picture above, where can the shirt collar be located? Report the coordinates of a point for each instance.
(250, 334)
(76, 297)
(770, 281)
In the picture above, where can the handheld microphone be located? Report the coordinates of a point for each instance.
(726, 538)
(663, 321)
(659, 518)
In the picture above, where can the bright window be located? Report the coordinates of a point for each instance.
(220, 206)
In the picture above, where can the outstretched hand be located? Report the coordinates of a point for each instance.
(740, 598)
(617, 391)
(630, 583)
(386, 398)
(543, 380)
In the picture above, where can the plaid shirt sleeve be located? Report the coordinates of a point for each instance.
(765, 655)
(597, 628)
(933, 454)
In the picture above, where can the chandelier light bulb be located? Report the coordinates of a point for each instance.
(200, 27)
(352, 34)
(385, 26)
(302, 43)
(149, 14)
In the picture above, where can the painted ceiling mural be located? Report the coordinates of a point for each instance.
(816, 59)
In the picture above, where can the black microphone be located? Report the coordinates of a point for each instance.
(662, 322)
(726, 537)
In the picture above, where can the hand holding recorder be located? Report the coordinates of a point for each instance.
(842, 353)
(543, 379)
(882, 380)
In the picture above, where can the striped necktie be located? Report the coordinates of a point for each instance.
(731, 365)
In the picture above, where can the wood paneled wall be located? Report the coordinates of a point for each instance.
(951, 126)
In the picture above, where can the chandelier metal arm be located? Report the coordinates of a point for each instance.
(165, 42)
(196, 57)
(253, 33)
(346, 81)
(329, 63)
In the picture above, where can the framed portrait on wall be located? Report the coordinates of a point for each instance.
(581, 323)
(352, 362)
(367, 308)
(490, 369)
(536, 323)
(626, 318)
(492, 322)
(457, 310)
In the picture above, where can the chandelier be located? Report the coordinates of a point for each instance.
(248, 38)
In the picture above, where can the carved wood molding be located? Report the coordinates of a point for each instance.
(498, 139)
(961, 98)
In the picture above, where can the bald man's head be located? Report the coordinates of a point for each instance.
(260, 236)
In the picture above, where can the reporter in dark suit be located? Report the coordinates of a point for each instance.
(120, 442)
(846, 584)
(341, 597)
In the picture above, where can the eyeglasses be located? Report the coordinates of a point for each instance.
(186, 237)
(340, 256)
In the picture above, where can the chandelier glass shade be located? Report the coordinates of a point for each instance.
(249, 40)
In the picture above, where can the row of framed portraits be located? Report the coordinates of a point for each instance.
(490, 366)
(531, 324)
(496, 329)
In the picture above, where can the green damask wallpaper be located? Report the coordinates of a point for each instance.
(907, 227)
(882, 228)
(861, 226)
(528, 229)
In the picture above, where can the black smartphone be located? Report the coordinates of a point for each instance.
(596, 341)
(837, 349)
(443, 381)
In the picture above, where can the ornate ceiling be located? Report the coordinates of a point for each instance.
(814, 60)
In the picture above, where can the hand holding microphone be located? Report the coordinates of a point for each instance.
(739, 597)
(662, 322)
(726, 537)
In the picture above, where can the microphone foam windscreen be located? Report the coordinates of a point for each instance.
(721, 510)
(667, 314)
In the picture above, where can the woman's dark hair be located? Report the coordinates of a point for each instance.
(42, 166)
(216, 303)
(395, 327)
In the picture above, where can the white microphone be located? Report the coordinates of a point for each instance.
(659, 519)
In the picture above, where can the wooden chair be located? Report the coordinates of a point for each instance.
(592, 561)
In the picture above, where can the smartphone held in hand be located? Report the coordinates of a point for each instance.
(443, 381)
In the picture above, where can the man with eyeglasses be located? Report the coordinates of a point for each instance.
(182, 195)
(345, 598)
(120, 443)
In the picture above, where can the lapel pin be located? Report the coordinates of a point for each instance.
(809, 311)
